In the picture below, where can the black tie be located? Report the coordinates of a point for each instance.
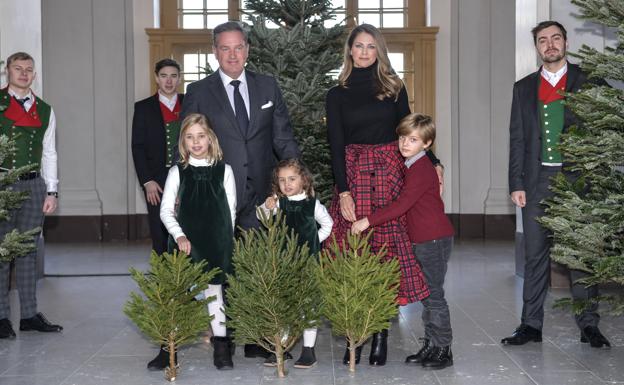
(22, 102)
(239, 106)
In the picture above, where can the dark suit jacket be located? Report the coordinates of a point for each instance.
(269, 135)
(525, 134)
(149, 147)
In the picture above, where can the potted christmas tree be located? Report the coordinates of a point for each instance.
(358, 290)
(168, 313)
(274, 295)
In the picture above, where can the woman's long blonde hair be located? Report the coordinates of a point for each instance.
(214, 150)
(388, 82)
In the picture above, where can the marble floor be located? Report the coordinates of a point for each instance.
(85, 290)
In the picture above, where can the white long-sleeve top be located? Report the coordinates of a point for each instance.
(321, 215)
(170, 194)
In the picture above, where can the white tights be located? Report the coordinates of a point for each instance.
(215, 308)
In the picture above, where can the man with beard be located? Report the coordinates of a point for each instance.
(538, 118)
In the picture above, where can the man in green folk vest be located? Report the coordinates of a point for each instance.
(31, 123)
(538, 117)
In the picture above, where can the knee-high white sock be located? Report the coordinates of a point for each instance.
(215, 308)
(309, 337)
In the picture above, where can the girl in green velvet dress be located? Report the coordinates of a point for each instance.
(293, 193)
(202, 225)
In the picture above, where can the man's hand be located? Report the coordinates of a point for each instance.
(184, 245)
(359, 226)
(50, 204)
(519, 198)
(440, 171)
(152, 192)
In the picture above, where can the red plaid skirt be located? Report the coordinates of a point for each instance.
(375, 178)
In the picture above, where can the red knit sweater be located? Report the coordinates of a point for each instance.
(420, 201)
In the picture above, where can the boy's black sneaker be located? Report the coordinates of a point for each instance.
(439, 358)
(271, 360)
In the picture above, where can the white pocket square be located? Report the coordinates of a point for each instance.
(267, 105)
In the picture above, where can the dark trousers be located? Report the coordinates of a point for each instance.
(538, 242)
(158, 231)
(246, 214)
(433, 257)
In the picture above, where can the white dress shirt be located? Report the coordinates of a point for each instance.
(170, 194)
(321, 215)
(49, 158)
(169, 103)
(242, 88)
(554, 77)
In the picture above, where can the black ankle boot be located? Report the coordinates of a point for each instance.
(307, 358)
(422, 354)
(161, 361)
(358, 353)
(222, 352)
(379, 348)
(439, 358)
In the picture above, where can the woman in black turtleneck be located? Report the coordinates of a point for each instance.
(363, 112)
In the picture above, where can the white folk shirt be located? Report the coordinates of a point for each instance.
(170, 194)
(554, 77)
(49, 158)
(169, 103)
(321, 215)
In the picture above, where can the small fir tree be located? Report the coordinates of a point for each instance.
(585, 214)
(300, 53)
(274, 295)
(168, 314)
(359, 292)
(14, 244)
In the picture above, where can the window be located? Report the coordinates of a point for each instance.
(382, 13)
(202, 13)
(194, 66)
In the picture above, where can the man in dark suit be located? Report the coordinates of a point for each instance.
(538, 117)
(250, 118)
(155, 130)
(251, 136)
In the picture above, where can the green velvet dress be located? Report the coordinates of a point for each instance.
(204, 215)
(300, 216)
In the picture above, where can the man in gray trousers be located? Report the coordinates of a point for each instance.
(538, 118)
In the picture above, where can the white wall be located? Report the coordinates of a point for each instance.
(89, 81)
(20, 30)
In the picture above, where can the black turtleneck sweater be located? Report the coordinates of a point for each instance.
(356, 116)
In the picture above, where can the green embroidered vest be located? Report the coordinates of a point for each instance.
(551, 122)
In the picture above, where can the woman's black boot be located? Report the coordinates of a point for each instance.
(379, 348)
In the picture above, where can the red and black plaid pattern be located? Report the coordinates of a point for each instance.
(375, 178)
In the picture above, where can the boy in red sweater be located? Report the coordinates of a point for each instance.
(430, 232)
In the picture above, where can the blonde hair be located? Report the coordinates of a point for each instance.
(388, 82)
(214, 150)
(300, 169)
(419, 123)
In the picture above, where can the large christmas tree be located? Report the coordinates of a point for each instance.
(300, 53)
(586, 214)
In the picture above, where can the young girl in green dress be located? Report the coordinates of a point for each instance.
(202, 225)
(293, 193)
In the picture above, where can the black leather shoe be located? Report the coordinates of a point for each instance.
(422, 354)
(592, 335)
(222, 352)
(307, 358)
(358, 354)
(6, 329)
(254, 351)
(39, 323)
(379, 348)
(522, 335)
(271, 360)
(439, 358)
(161, 361)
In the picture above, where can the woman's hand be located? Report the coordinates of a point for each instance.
(359, 226)
(347, 206)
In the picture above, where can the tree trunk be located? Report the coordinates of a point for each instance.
(279, 354)
(171, 372)
(351, 358)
